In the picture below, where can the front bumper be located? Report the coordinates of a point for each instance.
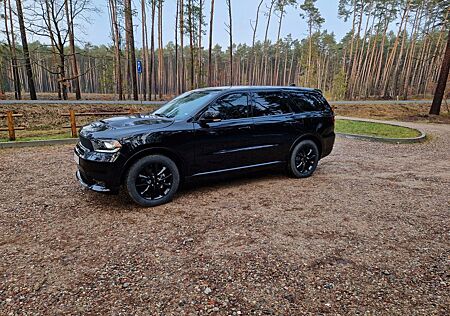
(93, 186)
(100, 172)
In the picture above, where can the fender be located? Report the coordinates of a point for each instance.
(149, 150)
(314, 137)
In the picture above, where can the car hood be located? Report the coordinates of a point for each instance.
(123, 125)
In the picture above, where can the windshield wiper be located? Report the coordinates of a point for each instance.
(160, 115)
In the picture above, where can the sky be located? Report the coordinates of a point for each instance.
(98, 32)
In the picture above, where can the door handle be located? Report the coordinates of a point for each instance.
(244, 127)
(297, 121)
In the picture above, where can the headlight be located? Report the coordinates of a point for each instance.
(106, 145)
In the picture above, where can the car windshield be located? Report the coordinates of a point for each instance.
(186, 104)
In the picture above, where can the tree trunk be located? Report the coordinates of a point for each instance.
(177, 70)
(144, 53)
(308, 72)
(434, 56)
(70, 29)
(442, 81)
(352, 42)
(211, 20)
(26, 52)
(277, 52)
(255, 56)
(380, 58)
(131, 49)
(62, 69)
(160, 50)
(399, 61)
(230, 32)
(200, 50)
(391, 57)
(182, 77)
(353, 65)
(191, 42)
(265, 54)
(12, 50)
(117, 52)
(152, 82)
(357, 80)
(410, 54)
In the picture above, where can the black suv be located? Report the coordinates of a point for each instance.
(205, 132)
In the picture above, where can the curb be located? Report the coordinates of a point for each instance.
(421, 138)
(35, 143)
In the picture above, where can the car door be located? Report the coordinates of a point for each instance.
(275, 125)
(224, 143)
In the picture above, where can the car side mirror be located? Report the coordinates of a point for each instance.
(209, 117)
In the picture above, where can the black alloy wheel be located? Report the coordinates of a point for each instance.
(304, 159)
(153, 180)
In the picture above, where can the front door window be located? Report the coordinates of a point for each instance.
(232, 106)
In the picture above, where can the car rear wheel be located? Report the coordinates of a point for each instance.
(304, 159)
(152, 180)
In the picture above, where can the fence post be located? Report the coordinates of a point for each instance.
(11, 131)
(73, 123)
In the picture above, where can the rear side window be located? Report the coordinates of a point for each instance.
(308, 102)
(270, 103)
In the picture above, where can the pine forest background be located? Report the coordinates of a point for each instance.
(394, 49)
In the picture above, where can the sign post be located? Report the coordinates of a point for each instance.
(139, 71)
(139, 67)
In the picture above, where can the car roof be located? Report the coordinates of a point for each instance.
(258, 88)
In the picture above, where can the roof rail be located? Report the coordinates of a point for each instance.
(318, 90)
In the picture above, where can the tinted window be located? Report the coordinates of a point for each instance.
(185, 104)
(270, 103)
(307, 102)
(232, 106)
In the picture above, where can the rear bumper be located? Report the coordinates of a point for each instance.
(327, 144)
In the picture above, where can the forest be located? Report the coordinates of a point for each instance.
(394, 49)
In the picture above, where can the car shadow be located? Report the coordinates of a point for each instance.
(123, 203)
(230, 179)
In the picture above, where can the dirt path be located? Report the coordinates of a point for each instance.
(368, 233)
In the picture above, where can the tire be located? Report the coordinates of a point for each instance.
(304, 159)
(152, 180)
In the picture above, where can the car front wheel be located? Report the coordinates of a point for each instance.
(152, 180)
(304, 159)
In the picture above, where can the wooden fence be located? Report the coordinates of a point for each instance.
(72, 116)
(10, 123)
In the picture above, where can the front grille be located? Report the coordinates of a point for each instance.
(86, 143)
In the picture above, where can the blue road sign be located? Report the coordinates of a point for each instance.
(139, 66)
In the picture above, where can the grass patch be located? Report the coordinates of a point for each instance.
(23, 136)
(374, 129)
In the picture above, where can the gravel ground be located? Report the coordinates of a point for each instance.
(367, 234)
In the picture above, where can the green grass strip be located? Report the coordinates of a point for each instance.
(374, 129)
(41, 137)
